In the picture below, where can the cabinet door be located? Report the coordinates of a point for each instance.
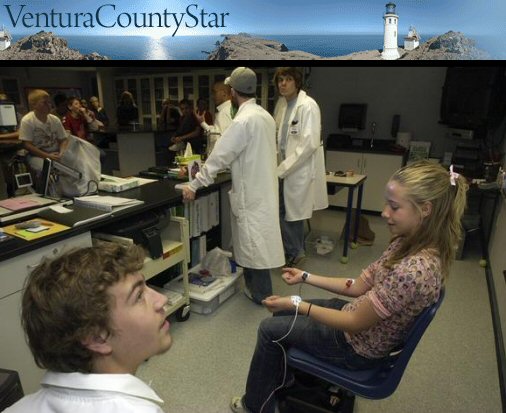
(342, 161)
(378, 168)
(16, 353)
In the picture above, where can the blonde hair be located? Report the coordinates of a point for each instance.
(35, 95)
(424, 182)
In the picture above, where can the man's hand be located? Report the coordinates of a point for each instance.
(292, 275)
(275, 303)
(188, 194)
(177, 139)
(54, 156)
(201, 118)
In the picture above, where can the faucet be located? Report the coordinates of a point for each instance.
(373, 131)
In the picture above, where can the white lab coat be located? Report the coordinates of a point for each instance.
(303, 170)
(223, 119)
(84, 393)
(248, 148)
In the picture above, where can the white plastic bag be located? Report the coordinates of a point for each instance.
(217, 262)
(85, 158)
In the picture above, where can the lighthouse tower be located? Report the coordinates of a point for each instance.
(390, 47)
(5, 38)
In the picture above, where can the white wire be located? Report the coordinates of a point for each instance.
(284, 359)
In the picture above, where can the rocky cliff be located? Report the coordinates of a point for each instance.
(45, 46)
(449, 46)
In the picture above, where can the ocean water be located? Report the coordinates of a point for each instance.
(198, 47)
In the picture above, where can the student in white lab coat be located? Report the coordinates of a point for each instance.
(223, 115)
(301, 168)
(247, 147)
(91, 321)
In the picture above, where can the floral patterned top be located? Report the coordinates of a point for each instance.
(398, 295)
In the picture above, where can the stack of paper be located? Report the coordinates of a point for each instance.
(105, 203)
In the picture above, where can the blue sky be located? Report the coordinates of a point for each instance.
(285, 16)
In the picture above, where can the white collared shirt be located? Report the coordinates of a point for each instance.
(90, 393)
(223, 119)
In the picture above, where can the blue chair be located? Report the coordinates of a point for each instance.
(376, 383)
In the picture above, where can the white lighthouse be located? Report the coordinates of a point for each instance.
(390, 47)
(5, 38)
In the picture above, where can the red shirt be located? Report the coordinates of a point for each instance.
(76, 126)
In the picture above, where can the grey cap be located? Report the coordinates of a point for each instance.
(243, 80)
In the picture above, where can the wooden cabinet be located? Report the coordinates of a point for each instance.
(14, 352)
(378, 168)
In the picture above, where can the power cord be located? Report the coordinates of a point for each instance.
(296, 300)
(88, 191)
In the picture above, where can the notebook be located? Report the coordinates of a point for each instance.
(106, 203)
(72, 216)
(46, 228)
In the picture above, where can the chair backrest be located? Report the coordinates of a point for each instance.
(375, 383)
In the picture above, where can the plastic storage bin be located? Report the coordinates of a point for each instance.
(206, 299)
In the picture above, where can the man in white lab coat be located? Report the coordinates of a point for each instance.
(91, 320)
(223, 115)
(247, 147)
(301, 168)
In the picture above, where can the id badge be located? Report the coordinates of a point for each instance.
(294, 129)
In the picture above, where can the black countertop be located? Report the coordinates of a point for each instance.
(160, 194)
(385, 147)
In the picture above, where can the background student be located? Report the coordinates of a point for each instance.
(301, 169)
(91, 320)
(223, 115)
(42, 133)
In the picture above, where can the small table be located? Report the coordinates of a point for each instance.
(351, 183)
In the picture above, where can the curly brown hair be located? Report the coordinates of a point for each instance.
(66, 300)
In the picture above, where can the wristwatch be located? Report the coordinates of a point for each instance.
(305, 275)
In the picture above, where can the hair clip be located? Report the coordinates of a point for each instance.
(453, 176)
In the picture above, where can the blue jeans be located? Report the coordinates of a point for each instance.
(267, 365)
(258, 282)
(292, 232)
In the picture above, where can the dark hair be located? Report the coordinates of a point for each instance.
(66, 300)
(59, 98)
(71, 99)
(294, 72)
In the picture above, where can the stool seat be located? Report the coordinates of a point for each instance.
(376, 383)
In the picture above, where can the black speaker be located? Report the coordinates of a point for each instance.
(396, 121)
(10, 388)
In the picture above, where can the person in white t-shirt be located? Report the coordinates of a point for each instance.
(91, 320)
(223, 116)
(43, 133)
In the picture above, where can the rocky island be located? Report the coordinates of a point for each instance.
(449, 46)
(45, 46)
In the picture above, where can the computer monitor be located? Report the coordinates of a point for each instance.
(48, 168)
(8, 118)
(24, 180)
(352, 116)
(46, 176)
